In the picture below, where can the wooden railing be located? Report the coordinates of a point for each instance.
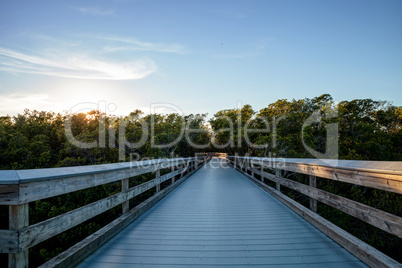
(19, 188)
(385, 176)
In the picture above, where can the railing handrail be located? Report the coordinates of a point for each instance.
(33, 175)
(385, 175)
(383, 167)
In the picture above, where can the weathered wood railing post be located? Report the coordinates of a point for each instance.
(182, 172)
(18, 219)
(185, 169)
(125, 205)
(313, 202)
(278, 176)
(262, 170)
(158, 186)
(172, 170)
(188, 167)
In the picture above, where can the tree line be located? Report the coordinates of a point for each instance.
(365, 130)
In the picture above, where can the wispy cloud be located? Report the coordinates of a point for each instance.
(110, 43)
(88, 57)
(21, 97)
(123, 43)
(16, 102)
(75, 66)
(94, 11)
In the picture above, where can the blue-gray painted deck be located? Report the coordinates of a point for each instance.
(218, 218)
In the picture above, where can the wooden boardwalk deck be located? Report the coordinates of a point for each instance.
(218, 218)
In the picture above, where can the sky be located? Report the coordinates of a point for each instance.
(195, 56)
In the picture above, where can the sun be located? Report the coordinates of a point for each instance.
(90, 116)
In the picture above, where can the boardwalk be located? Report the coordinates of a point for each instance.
(218, 218)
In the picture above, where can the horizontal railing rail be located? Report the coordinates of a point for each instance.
(19, 188)
(383, 175)
(386, 176)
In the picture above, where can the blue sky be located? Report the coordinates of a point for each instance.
(201, 56)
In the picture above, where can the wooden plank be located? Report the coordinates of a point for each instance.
(40, 188)
(18, 219)
(267, 175)
(361, 250)
(9, 241)
(277, 176)
(81, 250)
(9, 177)
(313, 202)
(44, 230)
(44, 189)
(172, 170)
(383, 167)
(44, 174)
(386, 182)
(181, 168)
(238, 163)
(126, 204)
(261, 173)
(9, 194)
(380, 179)
(190, 167)
(8, 189)
(378, 218)
(158, 185)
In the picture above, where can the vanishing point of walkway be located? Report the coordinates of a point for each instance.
(218, 218)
